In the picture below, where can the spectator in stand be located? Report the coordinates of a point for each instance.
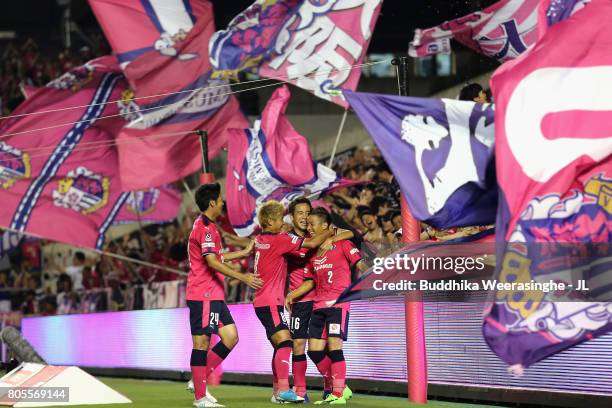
(75, 271)
(67, 299)
(373, 233)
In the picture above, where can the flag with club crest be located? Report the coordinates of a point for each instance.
(154, 205)
(271, 161)
(312, 45)
(58, 170)
(172, 93)
(554, 169)
(440, 151)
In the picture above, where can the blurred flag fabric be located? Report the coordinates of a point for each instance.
(440, 151)
(554, 11)
(272, 161)
(290, 39)
(554, 168)
(172, 94)
(502, 31)
(156, 205)
(135, 27)
(63, 183)
(9, 241)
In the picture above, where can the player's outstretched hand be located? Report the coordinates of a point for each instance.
(288, 302)
(326, 246)
(252, 280)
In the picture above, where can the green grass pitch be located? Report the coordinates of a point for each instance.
(171, 394)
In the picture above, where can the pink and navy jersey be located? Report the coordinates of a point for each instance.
(203, 282)
(296, 264)
(331, 272)
(271, 265)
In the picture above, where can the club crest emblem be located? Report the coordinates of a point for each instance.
(74, 80)
(142, 202)
(14, 165)
(82, 190)
(128, 108)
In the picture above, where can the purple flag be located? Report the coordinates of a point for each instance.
(439, 150)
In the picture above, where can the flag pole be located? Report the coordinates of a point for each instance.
(333, 153)
(206, 177)
(416, 357)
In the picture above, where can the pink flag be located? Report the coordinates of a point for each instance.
(271, 161)
(159, 145)
(553, 147)
(156, 205)
(502, 31)
(62, 183)
(312, 45)
(135, 27)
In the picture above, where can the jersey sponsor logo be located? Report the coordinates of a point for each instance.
(262, 246)
(320, 260)
(334, 328)
(14, 165)
(323, 266)
(82, 190)
(354, 251)
(208, 245)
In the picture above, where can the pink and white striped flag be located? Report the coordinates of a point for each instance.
(502, 31)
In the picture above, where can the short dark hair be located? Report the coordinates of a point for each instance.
(364, 212)
(298, 201)
(470, 91)
(80, 256)
(378, 202)
(205, 194)
(323, 214)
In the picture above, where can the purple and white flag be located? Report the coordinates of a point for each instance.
(440, 151)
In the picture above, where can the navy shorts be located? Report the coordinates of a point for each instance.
(329, 322)
(272, 318)
(206, 317)
(300, 319)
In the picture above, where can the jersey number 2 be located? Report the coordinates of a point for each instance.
(330, 274)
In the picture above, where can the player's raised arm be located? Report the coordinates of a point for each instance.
(303, 289)
(315, 242)
(249, 279)
(340, 234)
(230, 256)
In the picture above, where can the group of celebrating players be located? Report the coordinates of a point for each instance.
(317, 259)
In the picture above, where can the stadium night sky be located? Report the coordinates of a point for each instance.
(394, 29)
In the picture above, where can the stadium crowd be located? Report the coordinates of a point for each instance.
(38, 278)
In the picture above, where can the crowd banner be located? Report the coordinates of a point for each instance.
(440, 151)
(554, 169)
(312, 45)
(272, 161)
(63, 183)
